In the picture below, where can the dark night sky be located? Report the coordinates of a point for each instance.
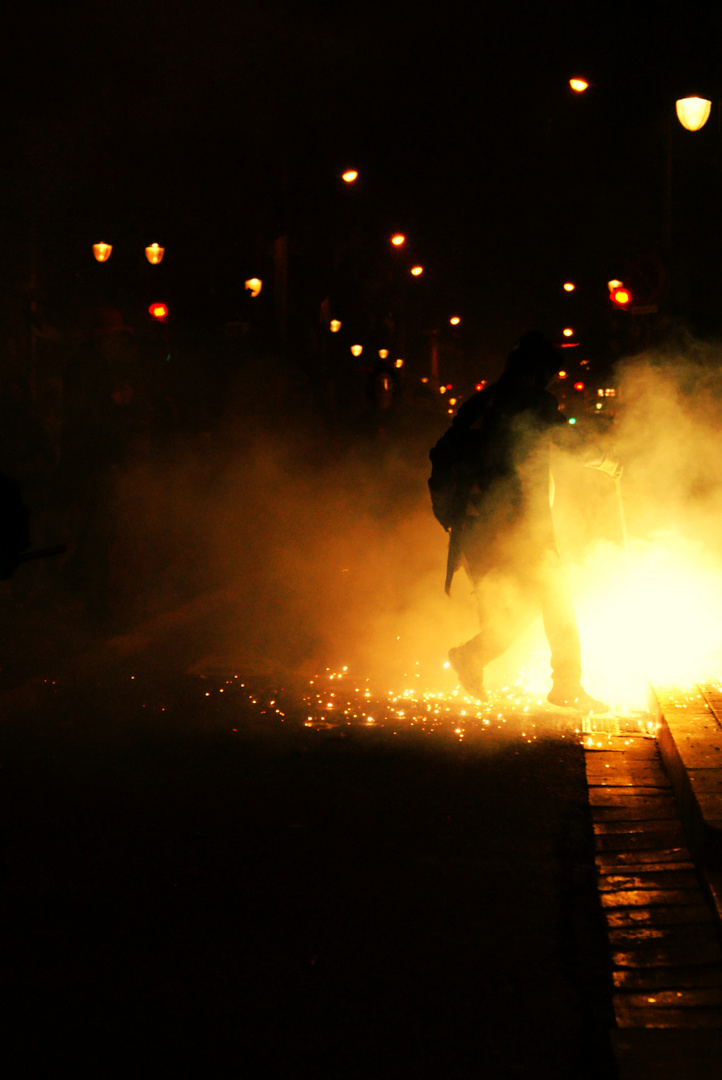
(220, 119)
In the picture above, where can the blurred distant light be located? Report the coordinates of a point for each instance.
(334, 326)
(158, 311)
(572, 419)
(424, 378)
(154, 254)
(621, 297)
(450, 411)
(693, 112)
(562, 374)
(383, 353)
(102, 251)
(614, 284)
(398, 239)
(449, 386)
(481, 385)
(442, 389)
(452, 401)
(454, 320)
(349, 176)
(598, 405)
(568, 332)
(357, 349)
(254, 286)
(578, 84)
(416, 270)
(399, 364)
(579, 386)
(569, 286)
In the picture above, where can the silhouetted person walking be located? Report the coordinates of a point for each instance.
(490, 488)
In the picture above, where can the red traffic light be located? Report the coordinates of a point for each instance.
(621, 297)
(158, 311)
(579, 386)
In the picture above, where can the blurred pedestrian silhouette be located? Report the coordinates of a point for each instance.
(490, 486)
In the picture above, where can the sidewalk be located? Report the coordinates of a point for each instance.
(690, 741)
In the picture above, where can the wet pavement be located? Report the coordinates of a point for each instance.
(211, 869)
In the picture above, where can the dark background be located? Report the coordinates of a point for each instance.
(217, 128)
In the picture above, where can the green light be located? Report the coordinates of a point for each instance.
(572, 419)
(167, 358)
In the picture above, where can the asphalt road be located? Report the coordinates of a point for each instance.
(196, 885)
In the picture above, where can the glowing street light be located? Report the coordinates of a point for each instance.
(398, 239)
(154, 254)
(357, 349)
(159, 311)
(416, 270)
(349, 176)
(334, 326)
(454, 320)
(614, 284)
(693, 112)
(383, 353)
(578, 84)
(253, 286)
(102, 251)
(569, 286)
(399, 364)
(568, 332)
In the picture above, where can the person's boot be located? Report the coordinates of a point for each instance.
(469, 673)
(575, 697)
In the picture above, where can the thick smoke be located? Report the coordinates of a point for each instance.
(327, 549)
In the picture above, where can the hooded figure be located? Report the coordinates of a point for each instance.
(490, 485)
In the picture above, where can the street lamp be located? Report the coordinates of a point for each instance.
(569, 286)
(357, 349)
(154, 254)
(102, 251)
(578, 84)
(416, 270)
(349, 176)
(693, 112)
(398, 239)
(454, 320)
(334, 326)
(254, 286)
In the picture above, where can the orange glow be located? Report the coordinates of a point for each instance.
(102, 251)
(399, 364)
(442, 389)
(154, 254)
(349, 176)
(568, 332)
(454, 320)
(614, 284)
(357, 349)
(481, 385)
(383, 353)
(398, 239)
(416, 270)
(578, 84)
(334, 326)
(620, 296)
(569, 286)
(158, 311)
(562, 374)
(578, 385)
(254, 286)
(424, 378)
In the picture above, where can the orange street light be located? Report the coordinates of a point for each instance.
(614, 284)
(357, 349)
(349, 176)
(416, 270)
(562, 374)
(334, 326)
(578, 84)
(454, 320)
(569, 286)
(102, 251)
(159, 311)
(383, 353)
(154, 254)
(568, 332)
(399, 364)
(693, 112)
(254, 286)
(398, 239)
